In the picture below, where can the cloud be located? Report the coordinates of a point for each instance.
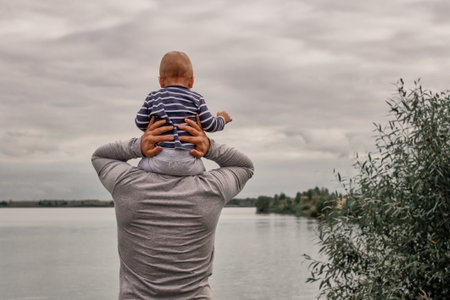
(22, 143)
(50, 19)
(302, 80)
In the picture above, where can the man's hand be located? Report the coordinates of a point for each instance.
(152, 135)
(225, 115)
(198, 138)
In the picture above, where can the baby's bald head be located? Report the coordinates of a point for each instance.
(176, 68)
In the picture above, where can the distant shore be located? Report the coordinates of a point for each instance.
(248, 202)
(58, 203)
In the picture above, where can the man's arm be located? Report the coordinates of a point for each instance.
(110, 160)
(235, 170)
(235, 167)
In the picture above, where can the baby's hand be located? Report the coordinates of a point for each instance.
(225, 115)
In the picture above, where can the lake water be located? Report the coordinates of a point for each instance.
(71, 253)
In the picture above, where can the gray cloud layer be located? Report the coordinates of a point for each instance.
(303, 81)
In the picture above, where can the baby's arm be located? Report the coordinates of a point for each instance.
(211, 123)
(143, 117)
(225, 115)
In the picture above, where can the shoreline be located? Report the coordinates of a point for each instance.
(56, 203)
(94, 203)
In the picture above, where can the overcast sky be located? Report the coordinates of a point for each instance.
(303, 81)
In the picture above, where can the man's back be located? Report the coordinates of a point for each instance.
(166, 225)
(166, 239)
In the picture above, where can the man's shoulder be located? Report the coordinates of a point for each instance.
(207, 185)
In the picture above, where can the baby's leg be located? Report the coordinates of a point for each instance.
(174, 162)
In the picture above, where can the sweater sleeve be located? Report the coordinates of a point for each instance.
(209, 122)
(234, 172)
(110, 161)
(143, 116)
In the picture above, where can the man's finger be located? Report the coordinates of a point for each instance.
(160, 130)
(193, 124)
(161, 138)
(196, 153)
(156, 124)
(190, 130)
(189, 139)
(154, 151)
(197, 117)
(152, 120)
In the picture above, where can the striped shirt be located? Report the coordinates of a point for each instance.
(174, 103)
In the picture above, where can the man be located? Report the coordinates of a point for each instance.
(166, 224)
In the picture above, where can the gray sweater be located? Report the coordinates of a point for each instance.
(166, 224)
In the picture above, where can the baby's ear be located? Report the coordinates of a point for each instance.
(191, 82)
(161, 82)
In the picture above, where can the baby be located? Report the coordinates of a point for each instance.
(174, 102)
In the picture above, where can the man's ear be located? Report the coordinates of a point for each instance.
(191, 82)
(161, 82)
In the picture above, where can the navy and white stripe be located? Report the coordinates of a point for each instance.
(174, 103)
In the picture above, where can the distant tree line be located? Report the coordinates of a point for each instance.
(58, 203)
(311, 203)
(246, 202)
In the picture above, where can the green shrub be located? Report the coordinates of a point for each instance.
(262, 204)
(305, 207)
(391, 240)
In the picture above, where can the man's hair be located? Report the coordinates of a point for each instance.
(175, 64)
